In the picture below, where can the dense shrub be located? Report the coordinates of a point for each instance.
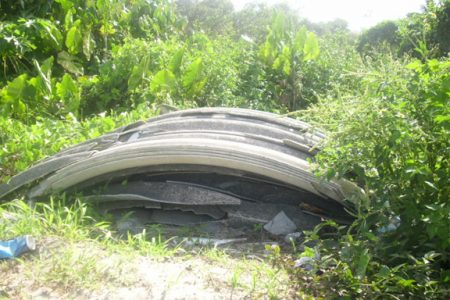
(385, 33)
(393, 140)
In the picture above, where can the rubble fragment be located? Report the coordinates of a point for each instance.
(280, 225)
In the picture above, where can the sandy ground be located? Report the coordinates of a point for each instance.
(185, 276)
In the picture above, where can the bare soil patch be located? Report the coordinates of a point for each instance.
(87, 270)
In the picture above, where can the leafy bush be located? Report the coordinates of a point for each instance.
(393, 140)
(26, 97)
(284, 53)
(47, 54)
(197, 72)
(385, 33)
(331, 74)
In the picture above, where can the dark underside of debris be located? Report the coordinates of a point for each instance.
(224, 205)
(222, 170)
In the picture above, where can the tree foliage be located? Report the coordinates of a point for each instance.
(419, 34)
(285, 52)
(393, 140)
(383, 33)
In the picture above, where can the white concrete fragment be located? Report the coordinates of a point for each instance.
(280, 225)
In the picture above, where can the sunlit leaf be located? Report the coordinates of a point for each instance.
(277, 63)
(68, 20)
(135, 78)
(65, 4)
(308, 252)
(137, 74)
(175, 62)
(193, 73)
(45, 72)
(197, 87)
(311, 48)
(384, 271)
(88, 44)
(15, 88)
(415, 65)
(362, 263)
(69, 92)
(74, 38)
(17, 92)
(300, 39)
(406, 282)
(287, 58)
(163, 80)
(70, 63)
(442, 118)
(52, 32)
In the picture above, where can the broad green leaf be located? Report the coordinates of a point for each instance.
(384, 271)
(192, 74)
(47, 66)
(277, 63)
(107, 29)
(362, 263)
(68, 20)
(37, 83)
(197, 87)
(17, 92)
(311, 49)
(135, 78)
(70, 63)
(88, 44)
(159, 15)
(65, 4)
(45, 72)
(68, 91)
(163, 80)
(17, 89)
(287, 57)
(442, 118)
(20, 107)
(266, 52)
(102, 6)
(432, 228)
(416, 65)
(74, 38)
(308, 252)
(283, 61)
(137, 74)
(52, 32)
(406, 282)
(287, 67)
(300, 39)
(175, 62)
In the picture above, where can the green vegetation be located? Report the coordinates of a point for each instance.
(78, 255)
(73, 70)
(25, 143)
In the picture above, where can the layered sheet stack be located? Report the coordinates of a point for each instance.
(199, 164)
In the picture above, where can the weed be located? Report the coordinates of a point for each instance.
(235, 278)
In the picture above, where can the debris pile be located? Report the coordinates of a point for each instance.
(222, 168)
